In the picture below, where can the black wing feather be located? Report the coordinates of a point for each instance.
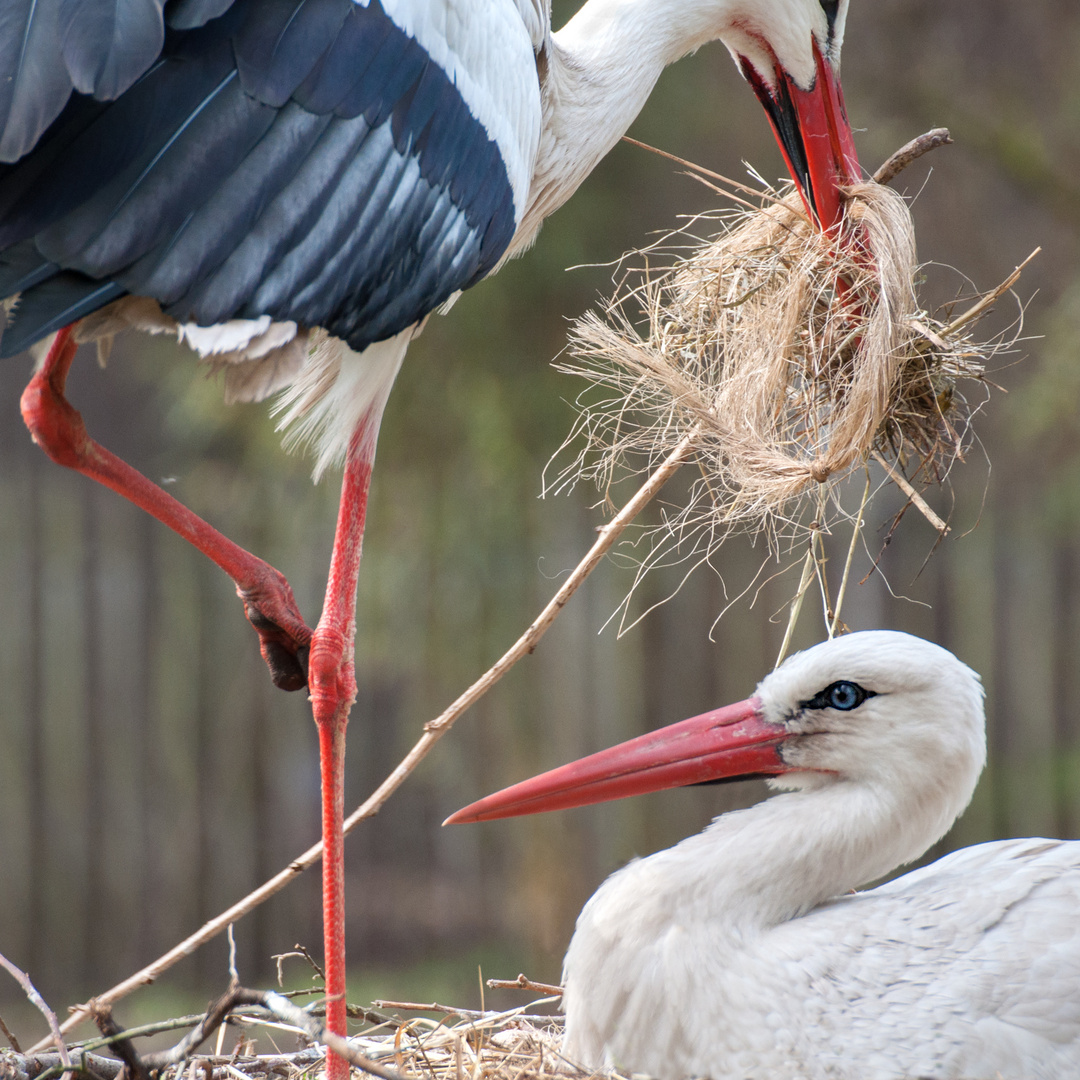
(34, 81)
(107, 46)
(281, 41)
(96, 47)
(298, 158)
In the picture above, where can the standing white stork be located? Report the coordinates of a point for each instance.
(741, 951)
(292, 186)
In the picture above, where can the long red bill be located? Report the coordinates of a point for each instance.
(735, 741)
(814, 134)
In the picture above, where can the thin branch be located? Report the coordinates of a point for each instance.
(855, 531)
(700, 171)
(281, 1008)
(912, 151)
(904, 485)
(38, 1002)
(8, 1034)
(984, 302)
(523, 982)
(134, 1067)
(796, 604)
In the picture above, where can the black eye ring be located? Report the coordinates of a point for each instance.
(843, 695)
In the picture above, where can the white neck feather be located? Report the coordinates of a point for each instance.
(600, 70)
(781, 858)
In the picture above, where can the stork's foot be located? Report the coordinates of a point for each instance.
(58, 429)
(284, 637)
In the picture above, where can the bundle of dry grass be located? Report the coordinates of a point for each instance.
(785, 356)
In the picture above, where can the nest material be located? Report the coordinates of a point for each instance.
(788, 357)
(462, 1045)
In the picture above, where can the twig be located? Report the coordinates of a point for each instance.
(39, 1003)
(41, 1066)
(796, 604)
(12, 1041)
(902, 483)
(850, 556)
(285, 1010)
(984, 302)
(434, 730)
(232, 955)
(134, 1066)
(477, 1019)
(522, 982)
(912, 151)
(700, 170)
(300, 951)
(281, 1008)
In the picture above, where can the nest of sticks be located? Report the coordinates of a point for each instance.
(395, 1044)
(779, 360)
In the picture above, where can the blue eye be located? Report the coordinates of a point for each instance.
(845, 695)
(841, 695)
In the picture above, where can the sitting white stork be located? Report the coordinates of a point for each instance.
(292, 186)
(742, 952)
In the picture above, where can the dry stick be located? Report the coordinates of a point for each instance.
(120, 1043)
(277, 1005)
(796, 604)
(700, 170)
(12, 1041)
(984, 302)
(38, 1002)
(856, 529)
(523, 982)
(910, 152)
(434, 730)
(889, 170)
(902, 483)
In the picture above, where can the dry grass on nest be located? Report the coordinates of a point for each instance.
(463, 1045)
(788, 356)
(511, 1045)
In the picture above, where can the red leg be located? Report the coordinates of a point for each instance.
(58, 429)
(332, 679)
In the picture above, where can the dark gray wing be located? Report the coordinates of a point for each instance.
(97, 47)
(306, 159)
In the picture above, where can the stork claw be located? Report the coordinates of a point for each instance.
(284, 637)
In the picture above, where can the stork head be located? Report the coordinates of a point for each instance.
(789, 52)
(880, 709)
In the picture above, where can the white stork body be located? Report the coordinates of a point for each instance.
(742, 953)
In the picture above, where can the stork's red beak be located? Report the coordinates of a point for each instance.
(735, 741)
(815, 137)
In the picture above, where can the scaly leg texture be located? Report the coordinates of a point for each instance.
(332, 680)
(269, 605)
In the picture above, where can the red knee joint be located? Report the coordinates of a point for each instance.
(331, 677)
(54, 424)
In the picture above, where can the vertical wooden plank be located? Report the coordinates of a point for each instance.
(1064, 597)
(34, 719)
(96, 910)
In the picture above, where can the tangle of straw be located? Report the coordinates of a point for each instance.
(796, 354)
